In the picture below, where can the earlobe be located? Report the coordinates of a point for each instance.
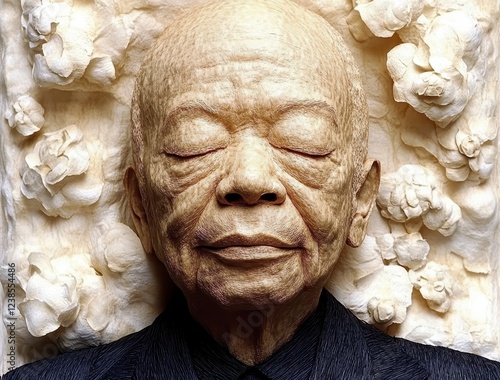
(365, 200)
(137, 207)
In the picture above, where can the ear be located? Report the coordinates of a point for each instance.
(365, 199)
(138, 212)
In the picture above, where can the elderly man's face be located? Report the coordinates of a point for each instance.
(249, 172)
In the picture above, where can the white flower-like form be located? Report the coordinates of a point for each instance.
(433, 77)
(40, 19)
(384, 17)
(63, 61)
(134, 283)
(51, 299)
(485, 161)
(389, 293)
(468, 145)
(411, 193)
(27, 117)
(410, 250)
(375, 292)
(81, 299)
(440, 95)
(62, 47)
(465, 148)
(434, 284)
(53, 173)
(74, 44)
(382, 311)
(452, 37)
(469, 151)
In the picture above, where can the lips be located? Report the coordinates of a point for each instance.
(253, 249)
(252, 240)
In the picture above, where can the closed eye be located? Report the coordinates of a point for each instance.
(179, 155)
(307, 154)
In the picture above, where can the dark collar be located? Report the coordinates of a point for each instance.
(347, 349)
(352, 349)
(294, 360)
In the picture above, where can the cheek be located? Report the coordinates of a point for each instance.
(177, 196)
(172, 176)
(175, 217)
(172, 224)
(311, 172)
(325, 206)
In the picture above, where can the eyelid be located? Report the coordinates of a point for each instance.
(185, 155)
(306, 153)
(194, 135)
(305, 133)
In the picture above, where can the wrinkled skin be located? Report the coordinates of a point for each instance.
(247, 196)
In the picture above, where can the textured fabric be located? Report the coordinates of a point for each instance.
(347, 349)
(294, 360)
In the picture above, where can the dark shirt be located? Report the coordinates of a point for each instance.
(347, 349)
(213, 362)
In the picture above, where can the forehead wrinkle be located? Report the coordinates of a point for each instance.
(232, 77)
(195, 43)
(278, 52)
(279, 36)
(323, 73)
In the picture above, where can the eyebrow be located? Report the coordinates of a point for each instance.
(191, 106)
(308, 105)
(288, 106)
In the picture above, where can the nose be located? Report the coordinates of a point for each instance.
(251, 179)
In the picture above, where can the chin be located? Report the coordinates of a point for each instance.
(244, 288)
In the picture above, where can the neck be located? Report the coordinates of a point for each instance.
(252, 336)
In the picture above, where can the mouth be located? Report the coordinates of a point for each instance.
(250, 250)
(250, 241)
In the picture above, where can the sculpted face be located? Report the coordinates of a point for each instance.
(248, 164)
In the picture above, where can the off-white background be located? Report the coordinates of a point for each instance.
(428, 268)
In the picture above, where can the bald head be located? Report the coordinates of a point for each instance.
(256, 37)
(250, 129)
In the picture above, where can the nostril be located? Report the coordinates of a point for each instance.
(269, 197)
(233, 198)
